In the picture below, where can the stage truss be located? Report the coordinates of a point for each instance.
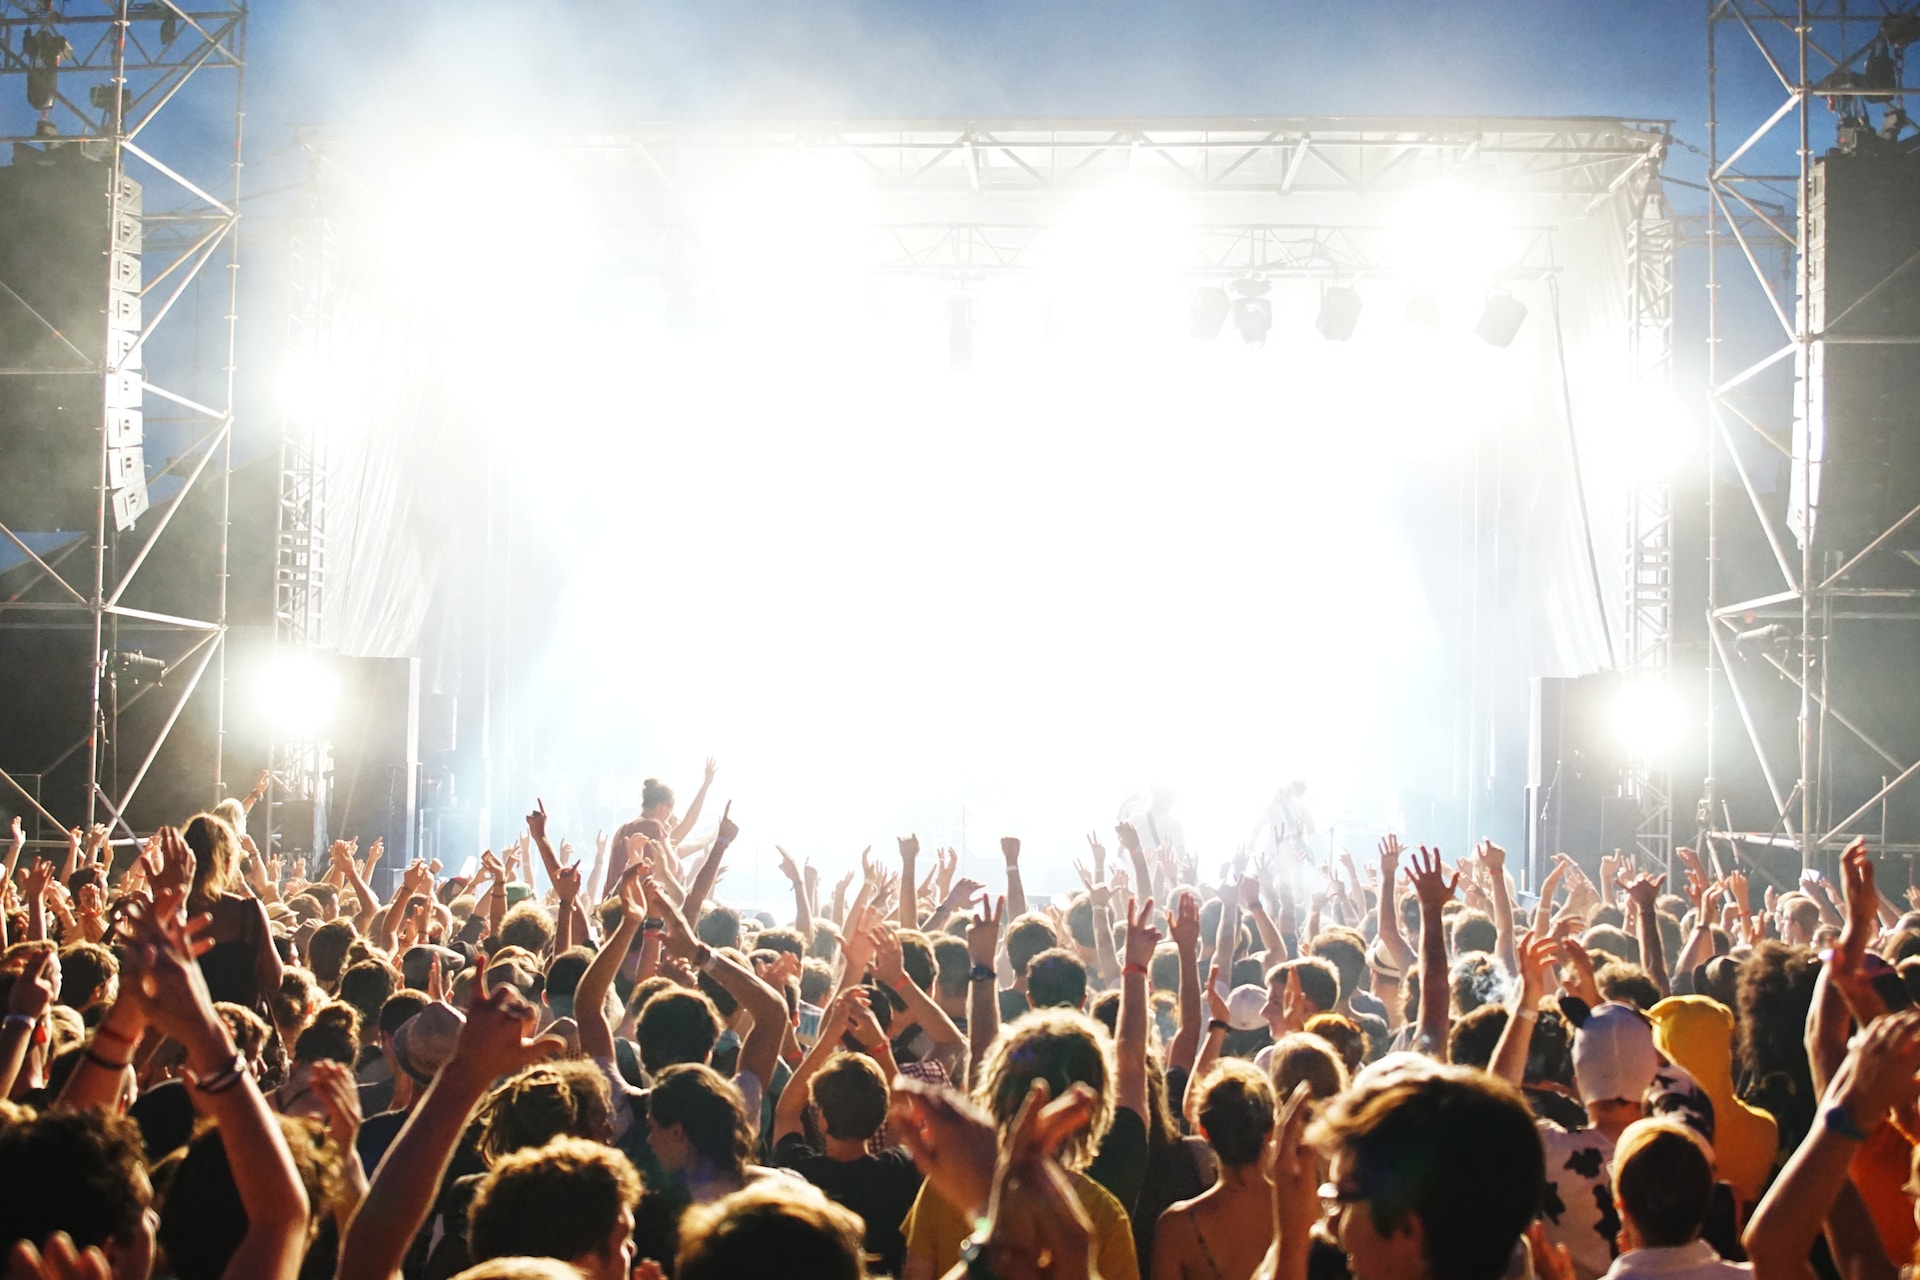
(1756, 239)
(963, 201)
(180, 70)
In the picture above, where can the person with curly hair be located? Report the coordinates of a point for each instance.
(1063, 1048)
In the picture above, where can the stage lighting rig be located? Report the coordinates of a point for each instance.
(1207, 313)
(1340, 308)
(1500, 320)
(1252, 311)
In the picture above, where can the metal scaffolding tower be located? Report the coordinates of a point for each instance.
(137, 88)
(1816, 65)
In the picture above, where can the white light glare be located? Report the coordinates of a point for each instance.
(298, 693)
(1648, 716)
(1448, 235)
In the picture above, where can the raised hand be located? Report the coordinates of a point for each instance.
(35, 990)
(1428, 876)
(171, 869)
(862, 1025)
(38, 877)
(1129, 838)
(1142, 937)
(889, 962)
(17, 833)
(1217, 1010)
(1010, 850)
(788, 867)
(1737, 887)
(57, 1260)
(983, 931)
(909, 847)
(1644, 890)
(566, 882)
(1537, 957)
(1184, 928)
(494, 1041)
(334, 1085)
(1879, 1075)
(713, 767)
(728, 828)
(1250, 893)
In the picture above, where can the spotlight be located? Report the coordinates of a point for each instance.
(1252, 311)
(1423, 310)
(959, 334)
(1647, 716)
(1339, 313)
(681, 312)
(1500, 320)
(1207, 313)
(298, 693)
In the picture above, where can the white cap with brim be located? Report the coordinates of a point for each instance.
(1614, 1059)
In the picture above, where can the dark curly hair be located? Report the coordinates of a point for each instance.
(542, 1103)
(1773, 993)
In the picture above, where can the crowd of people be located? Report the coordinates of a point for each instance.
(216, 1065)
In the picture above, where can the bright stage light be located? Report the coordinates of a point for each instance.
(298, 692)
(1448, 235)
(790, 242)
(1116, 265)
(1648, 716)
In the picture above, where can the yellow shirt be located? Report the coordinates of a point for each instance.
(935, 1230)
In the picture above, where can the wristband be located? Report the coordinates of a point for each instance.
(1525, 1015)
(222, 1080)
(105, 1064)
(1132, 969)
(1835, 1119)
(1219, 1024)
(706, 961)
(26, 1020)
(980, 973)
(653, 924)
(104, 1030)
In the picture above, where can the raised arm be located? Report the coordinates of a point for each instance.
(1876, 1078)
(1510, 1054)
(1494, 859)
(1270, 939)
(710, 867)
(802, 907)
(1016, 891)
(1435, 889)
(1130, 1032)
(909, 904)
(792, 1107)
(889, 966)
(760, 1050)
(1643, 894)
(491, 1044)
(1099, 898)
(1185, 931)
(684, 827)
(590, 996)
(983, 996)
(1217, 1014)
(1392, 941)
(166, 979)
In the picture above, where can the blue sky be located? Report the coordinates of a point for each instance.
(530, 63)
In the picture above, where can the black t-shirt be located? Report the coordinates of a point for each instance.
(880, 1188)
(1121, 1163)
